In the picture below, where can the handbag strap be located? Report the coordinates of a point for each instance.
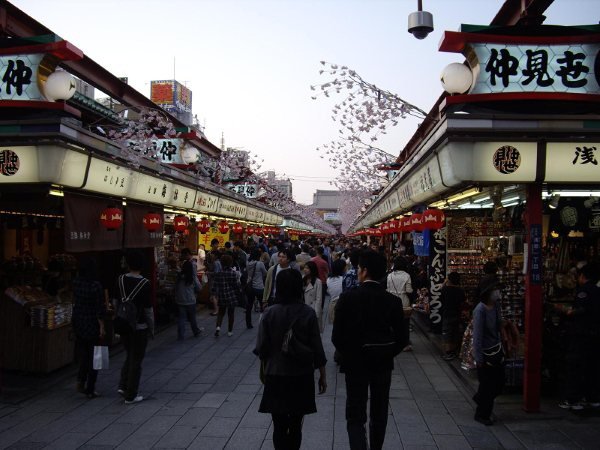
(138, 287)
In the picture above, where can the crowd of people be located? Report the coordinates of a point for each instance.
(300, 288)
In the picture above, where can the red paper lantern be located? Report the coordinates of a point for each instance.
(385, 228)
(203, 226)
(111, 218)
(250, 230)
(416, 221)
(181, 223)
(393, 226)
(223, 227)
(433, 219)
(152, 221)
(237, 228)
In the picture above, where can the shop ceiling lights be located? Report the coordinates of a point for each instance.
(465, 194)
(482, 199)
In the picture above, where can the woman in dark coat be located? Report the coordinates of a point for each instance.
(88, 323)
(487, 350)
(289, 391)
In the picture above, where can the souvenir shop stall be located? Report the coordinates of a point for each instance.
(571, 231)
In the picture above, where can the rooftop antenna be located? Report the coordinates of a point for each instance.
(222, 141)
(174, 69)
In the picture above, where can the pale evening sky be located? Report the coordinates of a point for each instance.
(250, 63)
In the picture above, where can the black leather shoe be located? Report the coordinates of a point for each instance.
(484, 420)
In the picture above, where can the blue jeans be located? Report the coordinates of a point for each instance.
(186, 313)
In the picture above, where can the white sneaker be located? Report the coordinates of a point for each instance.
(120, 392)
(137, 399)
(229, 333)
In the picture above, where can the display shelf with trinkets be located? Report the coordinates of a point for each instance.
(34, 331)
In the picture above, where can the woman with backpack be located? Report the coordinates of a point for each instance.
(133, 287)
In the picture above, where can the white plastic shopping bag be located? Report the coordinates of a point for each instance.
(100, 357)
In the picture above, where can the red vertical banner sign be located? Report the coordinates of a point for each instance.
(533, 301)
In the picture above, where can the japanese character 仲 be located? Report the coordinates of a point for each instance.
(16, 76)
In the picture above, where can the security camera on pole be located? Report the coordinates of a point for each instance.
(420, 23)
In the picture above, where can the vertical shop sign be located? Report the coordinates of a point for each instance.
(535, 269)
(438, 274)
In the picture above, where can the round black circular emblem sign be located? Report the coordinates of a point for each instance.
(507, 159)
(9, 162)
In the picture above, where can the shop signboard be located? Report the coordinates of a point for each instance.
(421, 243)
(162, 92)
(19, 77)
(390, 204)
(206, 203)
(566, 68)
(248, 190)
(108, 178)
(495, 162)
(422, 185)
(437, 275)
(171, 95)
(260, 215)
(251, 214)
(19, 164)
(230, 208)
(572, 162)
(213, 233)
(545, 63)
(151, 189)
(182, 196)
(535, 267)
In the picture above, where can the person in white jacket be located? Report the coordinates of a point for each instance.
(399, 284)
(313, 290)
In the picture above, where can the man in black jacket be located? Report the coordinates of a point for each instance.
(367, 334)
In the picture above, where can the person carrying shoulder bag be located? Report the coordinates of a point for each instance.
(135, 342)
(399, 284)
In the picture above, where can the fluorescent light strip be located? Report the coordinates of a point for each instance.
(510, 199)
(482, 199)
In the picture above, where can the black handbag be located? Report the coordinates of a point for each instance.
(494, 356)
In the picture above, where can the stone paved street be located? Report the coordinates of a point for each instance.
(204, 394)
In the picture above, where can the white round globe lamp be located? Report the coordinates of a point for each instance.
(60, 85)
(190, 155)
(456, 78)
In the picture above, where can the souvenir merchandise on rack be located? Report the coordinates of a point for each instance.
(472, 242)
